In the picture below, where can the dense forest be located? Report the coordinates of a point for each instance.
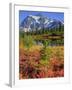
(50, 32)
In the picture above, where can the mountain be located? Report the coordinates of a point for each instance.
(38, 22)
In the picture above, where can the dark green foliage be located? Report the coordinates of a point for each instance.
(55, 31)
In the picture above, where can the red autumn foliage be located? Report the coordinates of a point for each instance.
(30, 67)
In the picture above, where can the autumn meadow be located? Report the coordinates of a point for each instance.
(41, 46)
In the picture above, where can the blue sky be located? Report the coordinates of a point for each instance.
(54, 15)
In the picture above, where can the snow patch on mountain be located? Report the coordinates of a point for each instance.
(37, 22)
